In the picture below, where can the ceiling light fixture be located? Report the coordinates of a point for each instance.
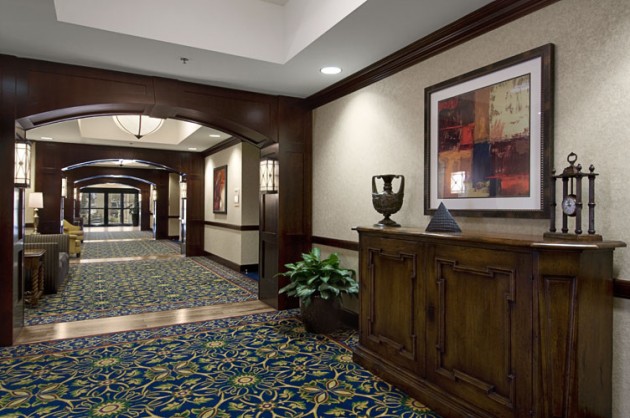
(138, 125)
(330, 70)
(215, 136)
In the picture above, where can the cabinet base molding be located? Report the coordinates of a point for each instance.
(419, 389)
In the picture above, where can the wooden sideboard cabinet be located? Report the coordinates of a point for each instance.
(488, 325)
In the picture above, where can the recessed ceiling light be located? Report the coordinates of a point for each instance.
(192, 149)
(215, 136)
(330, 70)
(46, 137)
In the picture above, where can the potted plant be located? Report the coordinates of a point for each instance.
(319, 284)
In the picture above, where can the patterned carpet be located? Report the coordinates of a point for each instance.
(253, 366)
(135, 248)
(97, 290)
(116, 235)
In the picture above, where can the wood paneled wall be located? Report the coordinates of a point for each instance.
(36, 93)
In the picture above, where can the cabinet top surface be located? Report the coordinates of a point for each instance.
(521, 240)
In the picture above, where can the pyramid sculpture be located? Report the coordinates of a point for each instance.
(442, 221)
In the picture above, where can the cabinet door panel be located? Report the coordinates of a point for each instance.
(480, 334)
(392, 314)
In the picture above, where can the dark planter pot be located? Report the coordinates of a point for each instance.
(321, 316)
(135, 219)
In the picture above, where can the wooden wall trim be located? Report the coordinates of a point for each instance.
(483, 20)
(232, 226)
(621, 288)
(222, 146)
(230, 264)
(332, 242)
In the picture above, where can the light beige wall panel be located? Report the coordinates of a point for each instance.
(249, 247)
(233, 158)
(380, 130)
(250, 185)
(621, 358)
(173, 204)
(226, 243)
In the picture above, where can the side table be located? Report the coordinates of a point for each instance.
(33, 276)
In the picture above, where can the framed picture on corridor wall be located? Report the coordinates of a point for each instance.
(219, 195)
(488, 139)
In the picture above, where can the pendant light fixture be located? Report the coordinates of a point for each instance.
(138, 125)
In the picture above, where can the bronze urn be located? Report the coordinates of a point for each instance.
(387, 202)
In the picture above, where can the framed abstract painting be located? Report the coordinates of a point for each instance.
(488, 139)
(219, 195)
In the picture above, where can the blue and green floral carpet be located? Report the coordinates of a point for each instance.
(116, 235)
(261, 365)
(133, 248)
(97, 290)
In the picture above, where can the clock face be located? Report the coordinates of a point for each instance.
(569, 205)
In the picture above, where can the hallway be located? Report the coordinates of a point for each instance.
(101, 296)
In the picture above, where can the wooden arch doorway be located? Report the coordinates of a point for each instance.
(36, 93)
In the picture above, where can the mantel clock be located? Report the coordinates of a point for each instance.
(571, 204)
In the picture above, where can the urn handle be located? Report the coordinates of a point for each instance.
(374, 183)
(387, 178)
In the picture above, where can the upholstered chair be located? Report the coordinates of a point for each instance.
(69, 228)
(74, 245)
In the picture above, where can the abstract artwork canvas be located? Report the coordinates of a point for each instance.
(487, 139)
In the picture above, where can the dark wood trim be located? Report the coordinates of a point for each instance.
(222, 146)
(621, 288)
(230, 264)
(483, 20)
(349, 318)
(249, 268)
(227, 263)
(232, 226)
(338, 243)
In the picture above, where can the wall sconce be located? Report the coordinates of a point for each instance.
(183, 189)
(154, 195)
(76, 193)
(269, 176)
(64, 187)
(22, 172)
(36, 201)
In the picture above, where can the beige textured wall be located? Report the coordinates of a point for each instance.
(240, 247)
(380, 130)
(173, 204)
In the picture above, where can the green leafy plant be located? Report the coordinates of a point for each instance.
(313, 277)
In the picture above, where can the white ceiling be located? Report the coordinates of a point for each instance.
(267, 46)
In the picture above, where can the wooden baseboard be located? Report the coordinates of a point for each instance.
(621, 288)
(349, 318)
(230, 264)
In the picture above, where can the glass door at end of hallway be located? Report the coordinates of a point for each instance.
(108, 207)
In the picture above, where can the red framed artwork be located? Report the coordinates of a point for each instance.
(488, 139)
(219, 195)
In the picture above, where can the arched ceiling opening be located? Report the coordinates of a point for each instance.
(173, 135)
